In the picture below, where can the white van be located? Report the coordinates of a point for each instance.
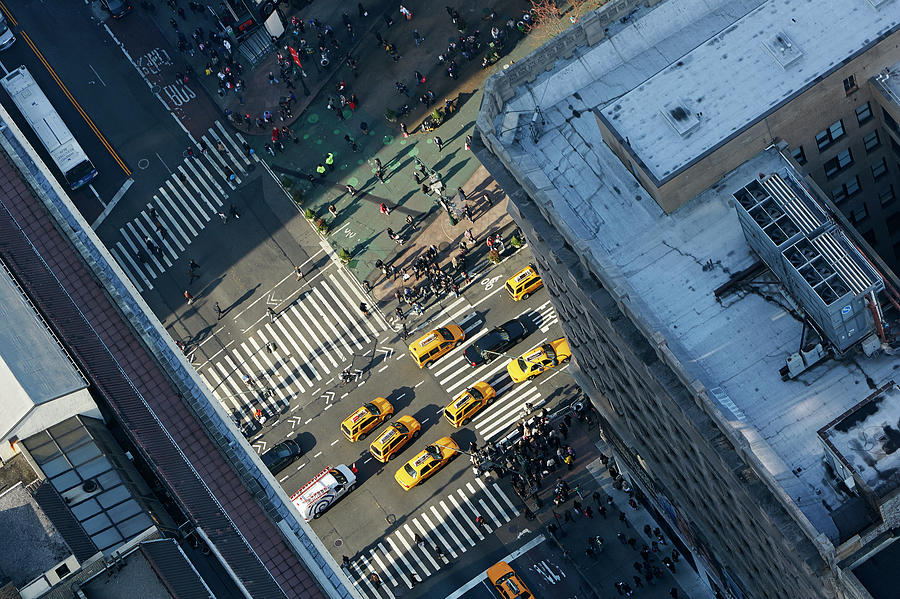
(6, 35)
(321, 492)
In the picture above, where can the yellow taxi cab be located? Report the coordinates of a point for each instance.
(433, 345)
(358, 424)
(391, 441)
(427, 462)
(507, 583)
(537, 360)
(521, 285)
(470, 401)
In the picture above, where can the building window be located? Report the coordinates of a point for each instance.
(886, 197)
(879, 169)
(864, 113)
(871, 141)
(63, 571)
(850, 85)
(889, 121)
(828, 136)
(798, 155)
(838, 163)
(848, 189)
(858, 214)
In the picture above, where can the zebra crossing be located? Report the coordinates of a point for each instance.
(318, 333)
(454, 373)
(183, 206)
(446, 527)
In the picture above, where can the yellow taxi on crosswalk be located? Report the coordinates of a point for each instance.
(426, 463)
(537, 360)
(467, 403)
(507, 583)
(369, 415)
(521, 285)
(391, 441)
(433, 345)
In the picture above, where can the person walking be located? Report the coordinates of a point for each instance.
(219, 312)
(480, 523)
(439, 143)
(320, 169)
(192, 272)
(345, 562)
(406, 13)
(417, 38)
(188, 297)
(384, 209)
(468, 142)
(329, 161)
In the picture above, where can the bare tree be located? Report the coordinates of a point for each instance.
(549, 19)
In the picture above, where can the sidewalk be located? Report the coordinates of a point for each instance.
(616, 560)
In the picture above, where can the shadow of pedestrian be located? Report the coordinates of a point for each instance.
(243, 298)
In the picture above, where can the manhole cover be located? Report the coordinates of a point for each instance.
(338, 542)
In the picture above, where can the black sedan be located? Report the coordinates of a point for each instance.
(281, 456)
(495, 342)
(117, 8)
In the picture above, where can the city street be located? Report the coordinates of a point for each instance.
(220, 237)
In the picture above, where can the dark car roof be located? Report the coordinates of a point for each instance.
(492, 338)
(286, 447)
(514, 327)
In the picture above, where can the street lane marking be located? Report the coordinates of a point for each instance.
(333, 443)
(511, 557)
(318, 454)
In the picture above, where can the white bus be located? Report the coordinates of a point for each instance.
(49, 127)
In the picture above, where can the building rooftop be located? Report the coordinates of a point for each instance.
(738, 75)
(39, 546)
(667, 267)
(33, 367)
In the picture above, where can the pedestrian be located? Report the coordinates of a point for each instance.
(419, 540)
(588, 512)
(299, 272)
(345, 561)
(403, 130)
(379, 174)
(329, 161)
(675, 555)
(668, 563)
(272, 314)
(622, 538)
(362, 11)
(320, 168)
(468, 142)
(439, 143)
(233, 212)
(552, 528)
(272, 79)
(638, 583)
(632, 542)
(188, 297)
(409, 220)
(364, 127)
(420, 78)
(399, 312)
(406, 13)
(673, 592)
(624, 519)
(467, 212)
(375, 579)
(563, 429)
(417, 38)
(219, 312)
(384, 209)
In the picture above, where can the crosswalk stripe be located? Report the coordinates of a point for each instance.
(501, 405)
(184, 180)
(415, 555)
(176, 223)
(263, 371)
(136, 251)
(266, 334)
(146, 233)
(505, 498)
(229, 151)
(437, 532)
(230, 392)
(301, 354)
(215, 169)
(324, 343)
(134, 281)
(355, 292)
(207, 184)
(350, 317)
(511, 413)
(362, 579)
(198, 164)
(143, 243)
(452, 516)
(190, 203)
(402, 557)
(393, 562)
(385, 572)
(412, 536)
(241, 393)
(161, 238)
(317, 304)
(216, 159)
(168, 228)
(249, 396)
(347, 333)
(442, 521)
(271, 368)
(238, 151)
(492, 498)
(493, 518)
(183, 210)
(311, 353)
(471, 523)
